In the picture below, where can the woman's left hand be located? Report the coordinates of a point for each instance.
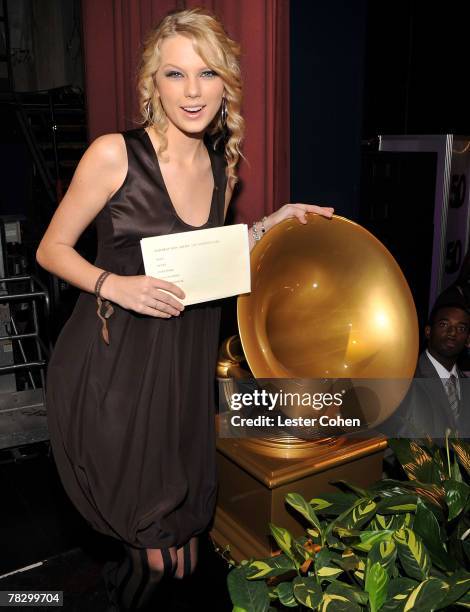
(296, 210)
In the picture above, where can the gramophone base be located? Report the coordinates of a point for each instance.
(253, 486)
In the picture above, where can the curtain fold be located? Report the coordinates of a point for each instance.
(113, 31)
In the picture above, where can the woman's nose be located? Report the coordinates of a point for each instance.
(192, 89)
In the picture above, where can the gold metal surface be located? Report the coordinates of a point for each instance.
(275, 469)
(253, 488)
(230, 357)
(328, 300)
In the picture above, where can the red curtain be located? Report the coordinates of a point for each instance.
(113, 33)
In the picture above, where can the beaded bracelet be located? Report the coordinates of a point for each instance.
(263, 228)
(101, 278)
(256, 234)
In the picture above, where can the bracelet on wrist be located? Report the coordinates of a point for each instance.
(263, 227)
(105, 309)
(259, 226)
(99, 282)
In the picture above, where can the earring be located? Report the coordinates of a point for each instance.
(223, 113)
(149, 111)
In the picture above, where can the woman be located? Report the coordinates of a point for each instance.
(129, 391)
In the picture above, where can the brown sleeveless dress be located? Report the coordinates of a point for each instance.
(132, 423)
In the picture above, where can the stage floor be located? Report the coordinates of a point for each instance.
(43, 536)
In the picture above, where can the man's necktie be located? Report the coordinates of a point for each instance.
(451, 389)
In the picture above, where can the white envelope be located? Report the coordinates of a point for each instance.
(207, 264)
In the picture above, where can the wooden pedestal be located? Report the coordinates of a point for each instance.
(253, 486)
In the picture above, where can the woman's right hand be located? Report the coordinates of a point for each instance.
(143, 294)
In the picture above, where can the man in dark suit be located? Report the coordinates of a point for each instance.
(439, 398)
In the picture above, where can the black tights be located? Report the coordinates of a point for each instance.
(132, 583)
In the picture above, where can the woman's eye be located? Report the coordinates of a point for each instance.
(209, 73)
(173, 74)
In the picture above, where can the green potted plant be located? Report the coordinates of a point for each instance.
(397, 546)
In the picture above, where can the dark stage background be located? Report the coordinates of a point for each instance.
(369, 67)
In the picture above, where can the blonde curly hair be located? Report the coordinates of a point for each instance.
(220, 53)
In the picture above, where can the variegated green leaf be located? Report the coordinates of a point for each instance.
(325, 565)
(284, 541)
(391, 521)
(307, 591)
(400, 585)
(333, 504)
(432, 492)
(408, 521)
(272, 566)
(459, 586)
(299, 503)
(412, 554)
(349, 560)
(398, 591)
(362, 513)
(285, 592)
(371, 537)
(456, 474)
(301, 551)
(343, 519)
(457, 495)
(344, 532)
(353, 593)
(398, 504)
(329, 573)
(247, 595)
(376, 585)
(354, 518)
(462, 450)
(382, 522)
(427, 596)
(320, 503)
(334, 542)
(438, 459)
(388, 487)
(314, 534)
(377, 525)
(360, 572)
(272, 592)
(417, 462)
(464, 601)
(337, 603)
(385, 553)
(427, 527)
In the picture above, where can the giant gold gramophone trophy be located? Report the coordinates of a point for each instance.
(328, 301)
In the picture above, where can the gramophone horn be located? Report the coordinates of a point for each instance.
(328, 300)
